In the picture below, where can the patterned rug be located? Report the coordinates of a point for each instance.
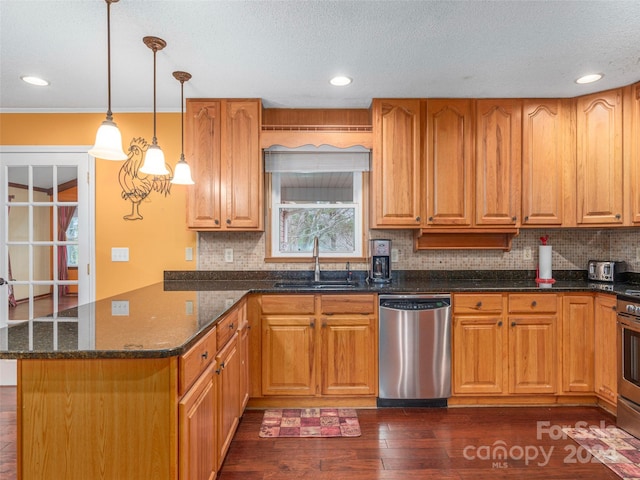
(310, 422)
(614, 447)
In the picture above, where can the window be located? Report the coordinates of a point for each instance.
(72, 236)
(316, 195)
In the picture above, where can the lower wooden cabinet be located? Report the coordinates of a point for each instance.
(577, 343)
(228, 395)
(197, 419)
(606, 373)
(319, 345)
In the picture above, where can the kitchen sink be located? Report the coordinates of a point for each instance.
(323, 284)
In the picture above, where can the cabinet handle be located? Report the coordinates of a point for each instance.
(618, 216)
(431, 219)
(228, 221)
(231, 326)
(513, 324)
(205, 355)
(500, 323)
(479, 305)
(222, 366)
(534, 304)
(219, 371)
(526, 219)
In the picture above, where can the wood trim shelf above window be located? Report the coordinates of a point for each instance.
(464, 239)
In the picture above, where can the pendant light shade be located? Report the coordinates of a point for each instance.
(154, 158)
(182, 173)
(108, 144)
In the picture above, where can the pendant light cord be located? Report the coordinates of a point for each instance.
(109, 113)
(182, 118)
(155, 140)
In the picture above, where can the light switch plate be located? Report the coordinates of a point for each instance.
(120, 254)
(527, 253)
(188, 254)
(120, 308)
(395, 255)
(228, 255)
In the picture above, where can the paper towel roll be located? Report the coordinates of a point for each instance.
(544, 262)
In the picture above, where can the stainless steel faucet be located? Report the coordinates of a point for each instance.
(316, 258)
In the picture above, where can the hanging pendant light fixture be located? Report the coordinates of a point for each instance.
(154, 158)
(108, 143)
(182, 173)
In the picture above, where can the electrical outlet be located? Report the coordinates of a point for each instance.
(188, 254)
(228, 255)
(527, 253)
(189, 307)
(120, 308)
(394, 255)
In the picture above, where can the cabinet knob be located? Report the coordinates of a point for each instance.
(618, 216)
(513, 324)
(513, 219)
(534, 304)
(312, 325)
(231, 326)
(228, 221)
(205, 355)
(500, 323)
(526, 219)
(216, 221)
(431, 219)
(479, 305)
(417, 219)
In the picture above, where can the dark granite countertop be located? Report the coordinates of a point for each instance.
(167, 318)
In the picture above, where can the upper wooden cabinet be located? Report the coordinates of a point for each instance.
(395, 175)
(547, 163)
(497, 157)
(222, 147)
(448, 140)
(599, 158)
(632, 152)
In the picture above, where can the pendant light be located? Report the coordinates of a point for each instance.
(108, 138)
(154, 158)
(182, 173)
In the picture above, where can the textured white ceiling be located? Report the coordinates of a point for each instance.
(285, 51)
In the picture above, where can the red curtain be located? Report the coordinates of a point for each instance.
(65, 214)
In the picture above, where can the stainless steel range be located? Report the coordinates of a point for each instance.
(628, 308)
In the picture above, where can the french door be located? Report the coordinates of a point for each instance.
(46, 247)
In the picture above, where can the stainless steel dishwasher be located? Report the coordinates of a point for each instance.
(414, 367)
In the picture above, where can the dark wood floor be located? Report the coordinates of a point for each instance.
(398, 444)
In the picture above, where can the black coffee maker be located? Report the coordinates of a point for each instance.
(380, 261)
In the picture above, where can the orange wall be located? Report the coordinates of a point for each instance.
(157, 242)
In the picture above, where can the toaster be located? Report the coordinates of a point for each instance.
(605, 271)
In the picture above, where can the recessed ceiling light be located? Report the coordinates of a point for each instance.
(340, 81)
(592, 77)
(37, 81)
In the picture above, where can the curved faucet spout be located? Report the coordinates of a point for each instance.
(316, 258)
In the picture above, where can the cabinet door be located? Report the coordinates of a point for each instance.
(546, 151)
(599, 158)
(606, 373)
(577, 343)
(478, 354)
(202, 152)
(228, 371)
(243, 343)
(197, 434)
(533, 354)
(497, 157)
(242, 165)
(288, 366)
(449, 162)
(395, 175)
(632, 151)
(348, 355)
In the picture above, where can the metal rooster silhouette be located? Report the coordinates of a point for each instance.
(136, 186)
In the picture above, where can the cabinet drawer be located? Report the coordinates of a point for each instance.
(195, 361)
(226, 328)
(477, 303)
(284, 304)
(533, 303)
(336, 304)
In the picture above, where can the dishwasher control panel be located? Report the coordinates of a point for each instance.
(415, 303)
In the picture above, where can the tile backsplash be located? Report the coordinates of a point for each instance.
(572, 249)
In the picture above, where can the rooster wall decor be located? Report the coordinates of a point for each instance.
(136, 186)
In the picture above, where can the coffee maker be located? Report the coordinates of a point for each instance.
(380, 261)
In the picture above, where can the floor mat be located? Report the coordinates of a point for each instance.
(310, 422)
(612, 446)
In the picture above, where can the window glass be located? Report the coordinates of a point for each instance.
(72, 236)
